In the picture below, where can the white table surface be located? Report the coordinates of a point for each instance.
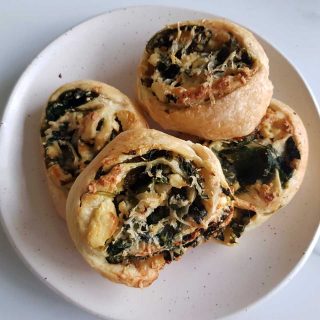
(26, 27)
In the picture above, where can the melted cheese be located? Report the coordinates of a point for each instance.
(199, 70)
(85, 131)
(102, 225)
(53, 150)
(274, 130)
(177, 181)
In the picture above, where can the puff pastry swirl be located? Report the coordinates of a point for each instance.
(80, 118)
(143, 201)
(207, 78)
(264, 169)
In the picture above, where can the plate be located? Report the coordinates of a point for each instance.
(212, 280)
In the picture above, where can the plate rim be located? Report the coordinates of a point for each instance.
(280, 285)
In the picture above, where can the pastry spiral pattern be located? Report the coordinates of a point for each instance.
(265, 168)
(80, 118)
(143, 201)
(208, 78)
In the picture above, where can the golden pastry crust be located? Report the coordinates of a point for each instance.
(276, 154)
(220, 96)
(142, 202)
(79, 119)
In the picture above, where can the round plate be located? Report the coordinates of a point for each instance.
(212, 280)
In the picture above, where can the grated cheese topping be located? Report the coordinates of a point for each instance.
(77, 125)
(191, 64)
(159, 204)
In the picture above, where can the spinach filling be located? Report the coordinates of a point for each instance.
(246, 161)
(166, 228)
(64, 137)
(291, 153)
(67, 101)
(210, 57)
(215, 229)
(158, 214)
(151, 155)
(247, 164)
(237, 225)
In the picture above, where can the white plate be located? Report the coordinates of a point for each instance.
(211, 280)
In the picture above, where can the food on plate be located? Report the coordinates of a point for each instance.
(80, 118)
(265, 168)
(207, 78)
(145, 199)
